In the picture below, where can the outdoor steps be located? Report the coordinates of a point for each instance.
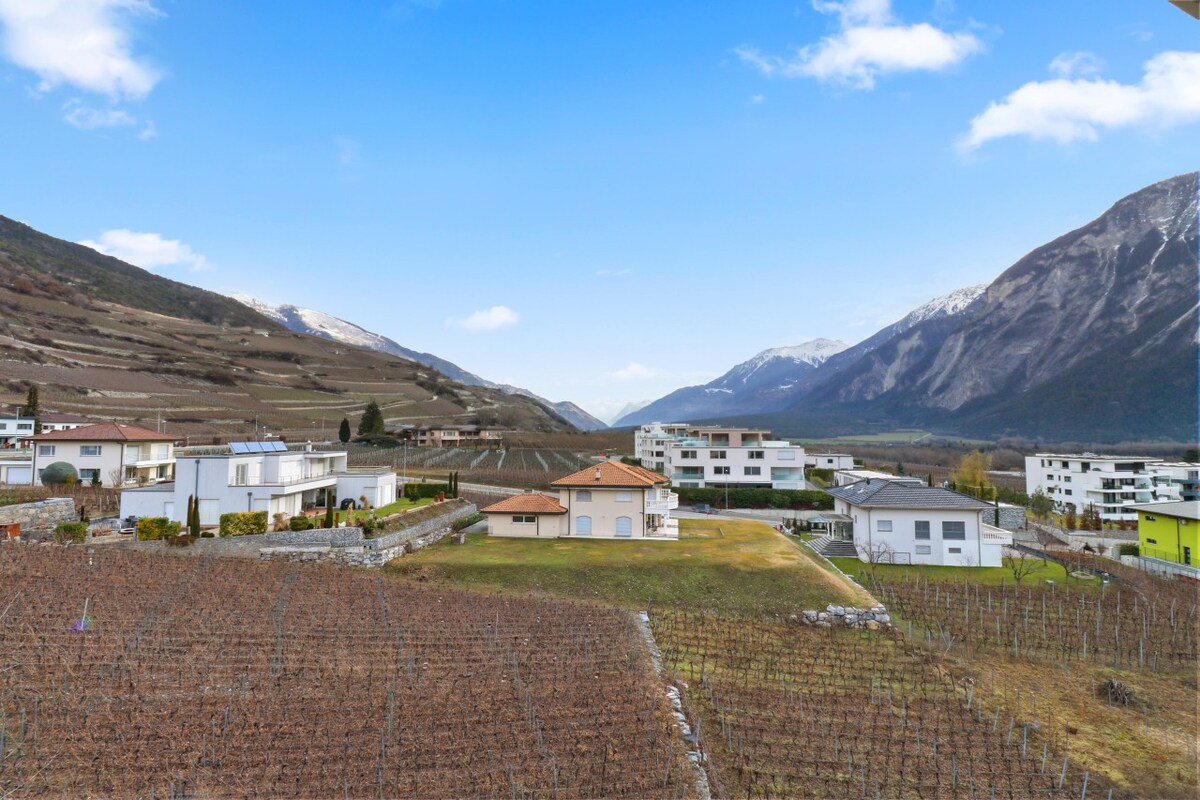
(834, 548)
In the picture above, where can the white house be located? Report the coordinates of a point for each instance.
(16, 467)
(610, 500)
(1113, 484)
(259, 476)
(834, 461)
(16, 429)
(905, 524)
(714, 456)
(108, 452)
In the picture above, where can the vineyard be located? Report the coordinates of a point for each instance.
(1117, 626)
(517, 466)
(124, 674)
(791, 711)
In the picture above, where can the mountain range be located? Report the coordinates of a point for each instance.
(326, 326)
(1091, 337)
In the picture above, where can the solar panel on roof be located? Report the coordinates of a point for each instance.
(238, 447)
(275, 447)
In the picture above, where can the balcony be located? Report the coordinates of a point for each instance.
(661, 501)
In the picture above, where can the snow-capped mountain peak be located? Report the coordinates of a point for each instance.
(812, 352)
(947, 305)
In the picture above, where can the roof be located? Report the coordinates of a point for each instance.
(878, 493)
(1183, 509)
(105, 432)
(612, 474)
(526, 503)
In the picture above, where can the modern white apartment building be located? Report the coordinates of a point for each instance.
(834, 461)
(1113, 484)
(259, 476)
(715, 456)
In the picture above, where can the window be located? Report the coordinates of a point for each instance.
(624, 497)
(624, 526)
(24, 426)
(1068, 491)
(89, 450)
(955, 549)
(883, 525)
(1066, 464)
(162, 452)
(787, 455)
(1066, 479)
(716, 453)
(1049, 477)
(89, 476)
(924, 550)
(921, 528)
(521, 519)
(687, 454)
(752, 470)
(583, 497)
(45, 449)
(583, 526)
(241, 474)
(954, 530)
(720, 470)
(1152, 541)
(756, 455)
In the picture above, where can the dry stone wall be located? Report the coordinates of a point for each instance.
(41, 515)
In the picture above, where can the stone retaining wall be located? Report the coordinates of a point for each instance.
(349, 546)
(42, 515)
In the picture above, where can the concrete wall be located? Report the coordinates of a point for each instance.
(42, 515)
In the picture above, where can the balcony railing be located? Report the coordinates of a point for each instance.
(661, 500)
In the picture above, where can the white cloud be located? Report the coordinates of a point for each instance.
(83, 43)
(633, 372)
(1065, 110)
(149, 131)
(147, 250)
(488, 319)
(757, 100)
(871, 43)
(89, 119)
(1076, 65)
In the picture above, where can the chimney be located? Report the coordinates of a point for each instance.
(597, 473)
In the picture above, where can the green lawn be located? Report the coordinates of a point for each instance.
(740, 567)
(382, 511)
(985, 576)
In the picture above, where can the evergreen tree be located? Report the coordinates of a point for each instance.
(193, 521)
(33, 408)
(330, 521)
(344, 431)
(371, 423)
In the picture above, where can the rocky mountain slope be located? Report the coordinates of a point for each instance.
(107, 339)
(764, 383)
(327, 326)
(1092, 337)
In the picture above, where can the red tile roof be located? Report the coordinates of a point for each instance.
(105, 432)
(527, 503)
(612, 474)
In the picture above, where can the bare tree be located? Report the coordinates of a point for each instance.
(874, 554)
(1021, 565)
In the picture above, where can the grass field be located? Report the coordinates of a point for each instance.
(902, 436)
(740, 567)
(985, 576)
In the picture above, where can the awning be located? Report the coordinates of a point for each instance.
(827, 518)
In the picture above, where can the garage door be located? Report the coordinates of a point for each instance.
(20, 475)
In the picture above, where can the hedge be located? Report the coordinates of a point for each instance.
(758, 498)
(151, 529)
(70, 532)
(243, 523)
(300, 523)
(1130, 549)
(417, 491)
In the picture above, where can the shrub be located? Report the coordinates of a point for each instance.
(152, 529)
(756, 498)
(243, 523)
(59, 472)
(378, 440)
(417, 491)
(70, 532)
(1130, 549)
(300, 523)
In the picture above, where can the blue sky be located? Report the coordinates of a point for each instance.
(598, 201)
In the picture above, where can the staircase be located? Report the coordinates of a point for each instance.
(834, 548)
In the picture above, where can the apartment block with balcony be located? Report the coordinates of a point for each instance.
(1113, 484)
(714, 456)
(107, 453)
(273, 479)
(457, 436)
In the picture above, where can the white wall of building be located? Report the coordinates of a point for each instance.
(1109, 483)
(527, 525)
(690, 456)
(834, 461)
(894, 531)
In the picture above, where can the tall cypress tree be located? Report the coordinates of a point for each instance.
(344, 431)
(33, 408)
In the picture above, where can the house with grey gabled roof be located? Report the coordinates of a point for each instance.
(894, 522)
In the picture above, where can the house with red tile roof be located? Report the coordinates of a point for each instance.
(609, 500)
(107, 453)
